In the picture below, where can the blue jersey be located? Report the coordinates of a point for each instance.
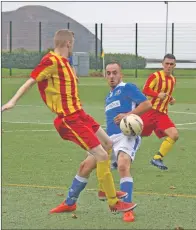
(122, 99)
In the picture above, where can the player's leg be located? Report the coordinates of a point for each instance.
(90, 161)
(87, 166)
(126, 181)
(99, 132)
(73, 129)
(68, 130)
(148, 123)
(103, 170)
(107, 143)
(126, 149)
(105, 177)
(104, 139)
(165, 128)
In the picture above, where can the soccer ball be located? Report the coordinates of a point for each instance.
(131, 125)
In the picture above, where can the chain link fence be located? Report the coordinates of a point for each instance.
(136, 46)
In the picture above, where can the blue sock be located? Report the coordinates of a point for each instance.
(126, 185)
(78, 184)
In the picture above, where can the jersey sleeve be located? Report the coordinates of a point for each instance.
(44, 70)
(149, 85)
(134, 93)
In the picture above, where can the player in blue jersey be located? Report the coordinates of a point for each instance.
(123, 99)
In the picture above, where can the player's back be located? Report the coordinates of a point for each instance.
(57, 84)
(118, 101)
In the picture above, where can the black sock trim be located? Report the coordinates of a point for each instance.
(159, 154)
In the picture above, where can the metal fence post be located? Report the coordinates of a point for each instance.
(10, 48)
(166, 26)
(172, 38)
(136, 46)
(101, 47)
(40, 37)
(96, 51)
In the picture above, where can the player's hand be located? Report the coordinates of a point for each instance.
(162, 96)
(7, 106)
(119, 117)
(172, 101)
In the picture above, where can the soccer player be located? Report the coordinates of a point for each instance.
(58, 89)
(123, 99)
(159, 88)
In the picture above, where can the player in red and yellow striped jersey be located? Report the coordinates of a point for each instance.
(57, 84)
(159, 88)
(58, 88)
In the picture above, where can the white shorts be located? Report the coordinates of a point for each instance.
(129, 145)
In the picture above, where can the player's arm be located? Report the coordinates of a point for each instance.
(41, 72)
(149, 86)
(21, 91)
(139, 98)
(172, 100)
(143, 104)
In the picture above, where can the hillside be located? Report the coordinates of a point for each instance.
(25, 29)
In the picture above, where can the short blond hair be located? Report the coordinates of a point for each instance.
(62, 36)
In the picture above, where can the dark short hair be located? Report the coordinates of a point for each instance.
(170, 56)
(113, 63)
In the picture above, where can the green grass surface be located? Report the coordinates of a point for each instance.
(187, 73)
(38, 166)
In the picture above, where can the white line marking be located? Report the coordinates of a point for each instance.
(28, 122)
(32, 130)
(48, 123)
(191, 123)
(186, 128)
(30, 105)
(182, 112)
(53, 130)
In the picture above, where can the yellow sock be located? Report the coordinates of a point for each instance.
(164, 148)
(100, 186)
(106, 180)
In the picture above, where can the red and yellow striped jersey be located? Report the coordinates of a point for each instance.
(57, 84)
(156, 83)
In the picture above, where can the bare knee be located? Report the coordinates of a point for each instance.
(86, 167)
(107, 145)
(173, 134)
(104, 139)
(123, 169)
(124, 163)
(99, 153)
(84, 170)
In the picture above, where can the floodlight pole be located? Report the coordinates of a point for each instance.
(166, 26)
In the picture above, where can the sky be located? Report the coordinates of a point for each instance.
(119, 20)
(118, 12)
